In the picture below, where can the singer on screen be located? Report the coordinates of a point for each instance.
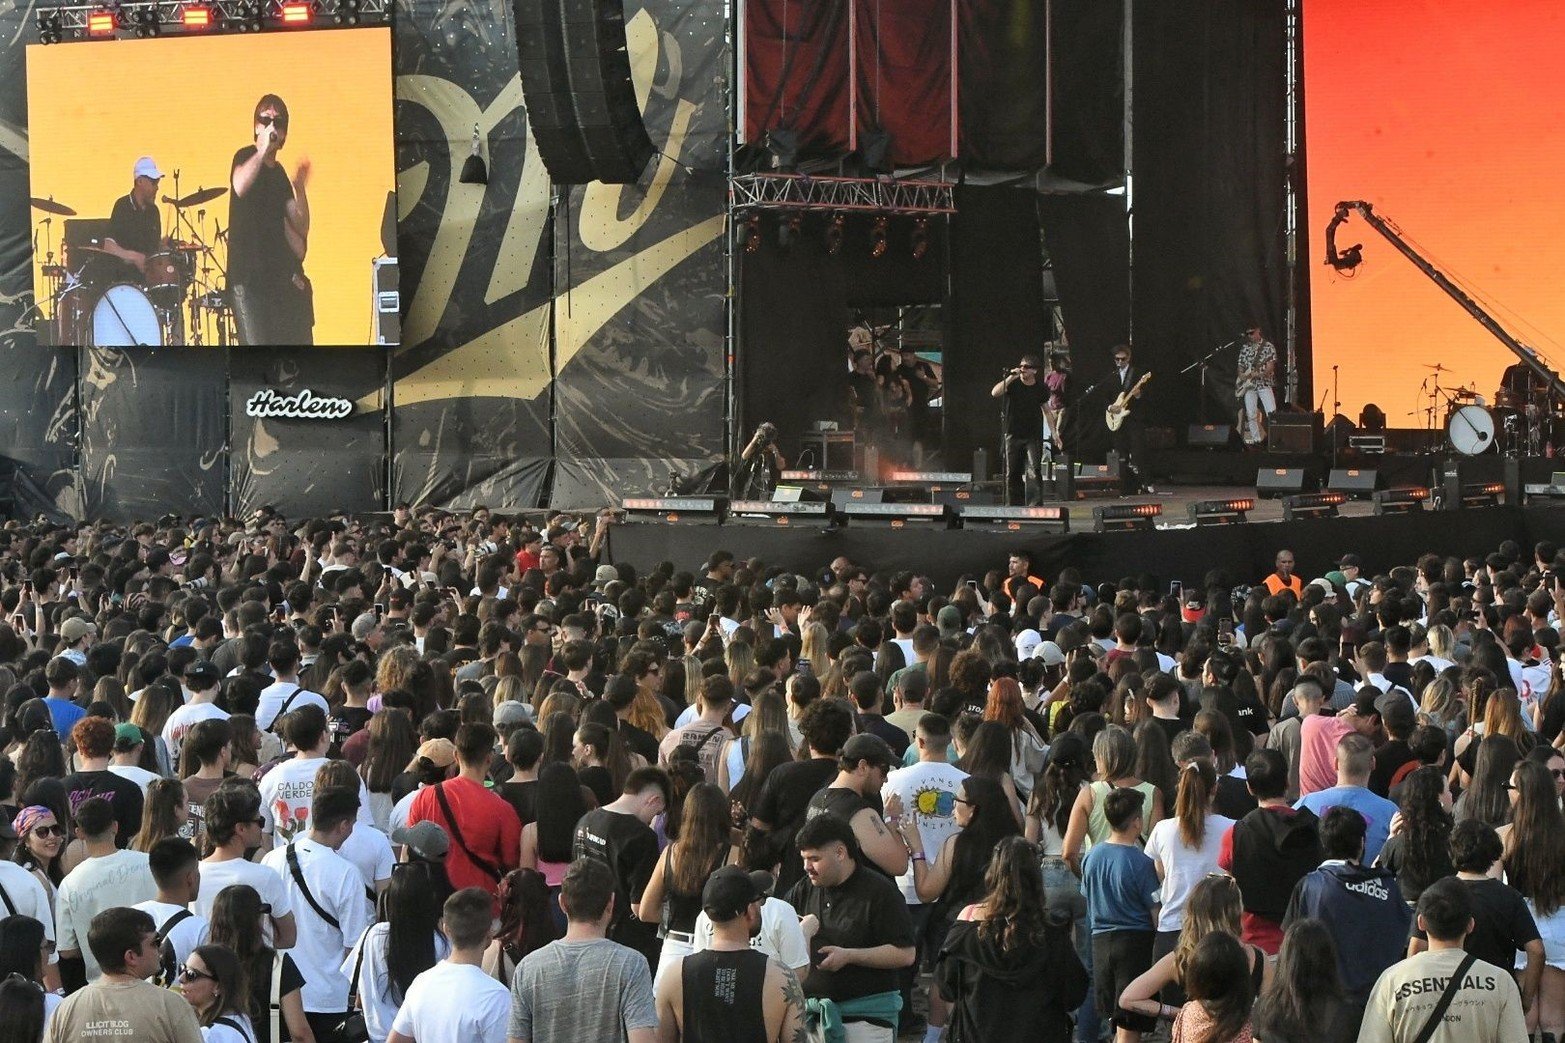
(269, 233)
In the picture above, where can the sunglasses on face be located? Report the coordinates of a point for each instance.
(188, 973)
(280, 122)
(55, 830)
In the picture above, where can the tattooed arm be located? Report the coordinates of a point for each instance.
(784, 1005)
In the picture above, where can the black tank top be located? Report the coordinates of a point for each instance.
(722, 1001)
(679, 909)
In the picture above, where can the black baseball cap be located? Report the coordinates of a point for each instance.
(729, 891)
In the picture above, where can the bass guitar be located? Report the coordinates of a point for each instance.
(1118, 409)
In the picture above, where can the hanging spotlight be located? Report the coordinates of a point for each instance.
(920, 238)
(877, 237)
(50, 27)
(474, 170)
(145, 21)
(834, 232)
(752, 234)
(788, 229)
(346, 12)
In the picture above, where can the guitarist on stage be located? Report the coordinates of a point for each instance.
(1129, 439)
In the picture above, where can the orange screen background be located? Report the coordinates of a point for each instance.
(1450, 119)
(188, 101)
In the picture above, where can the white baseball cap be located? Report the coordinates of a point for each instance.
(145, 167)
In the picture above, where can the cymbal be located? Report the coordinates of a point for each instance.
(49, 206)
(1436, 367)
(199, 196)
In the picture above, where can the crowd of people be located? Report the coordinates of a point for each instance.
(441, 777)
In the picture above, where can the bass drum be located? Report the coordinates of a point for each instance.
(1470, 430)
(124, 318)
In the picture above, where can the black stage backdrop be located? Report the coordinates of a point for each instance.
(314, 466)
(1209, 122)
(797, 303)
(1088, 236)
(997, 311)
(154, 431)
(1087, 65)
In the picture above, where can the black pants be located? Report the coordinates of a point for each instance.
(272, 313)
(325, 1026)
(1023, 457)
(1119, 958)
(1130, 445)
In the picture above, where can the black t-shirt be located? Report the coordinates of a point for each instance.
(784, 798)
(895, 737)
(258, 250)
(122, 794)
(1393, 856)
(915, 375)
(835, 800)
(289, 979)
(639, 741)
(134, 229)
(1024, 412)
(1388, 759)
(864, 911)
(1172, 726)
(629, 847)
(523, 796)
(345, 721)
(597, 778)
(1502, 923)
(866, 394)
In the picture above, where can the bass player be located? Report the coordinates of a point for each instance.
(1129, 437)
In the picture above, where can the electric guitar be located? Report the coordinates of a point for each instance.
(1118, 409)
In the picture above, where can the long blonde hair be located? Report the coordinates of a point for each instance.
(1214, 905)
(1440, 704)
(816, 646)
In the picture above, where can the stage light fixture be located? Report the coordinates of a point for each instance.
(1401, 501)
(672, 509)
(877, 237)
(834, 232)
(474, 170)
(1051, 518)
(1312, 505)
(774, 513)
(50, 27)
(1126, 517)
(893, 515)
(101, 23)
(1221, 512)
(788, 229)
(297, 14)
(144, 22)
(196, 18)
(752, 233)
(783, 144)
(346, 12)
(920, 238)
(1482, 494)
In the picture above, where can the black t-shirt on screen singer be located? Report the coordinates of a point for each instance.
(258, 250)
(1024, 408)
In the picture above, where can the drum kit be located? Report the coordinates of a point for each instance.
(93, 299)
(1518, 424)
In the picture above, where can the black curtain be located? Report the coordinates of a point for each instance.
(1209, 117)
(1087, 66)
(797, 304)
(1088, 237)
(997, 311)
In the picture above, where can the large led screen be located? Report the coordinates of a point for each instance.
(1450, 119)
(226, 189)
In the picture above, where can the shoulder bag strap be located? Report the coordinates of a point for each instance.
(233, 1024)
(10, 906)
(169, 924)
(277, 995)
(354, 1005)
(456, 834)
(1437, 1016)
(283, 710)
(298, 878)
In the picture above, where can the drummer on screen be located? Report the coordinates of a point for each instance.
(135, 230)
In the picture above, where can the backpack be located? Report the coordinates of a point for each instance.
(168, 963)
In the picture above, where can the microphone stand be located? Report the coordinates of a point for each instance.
(1203, 364)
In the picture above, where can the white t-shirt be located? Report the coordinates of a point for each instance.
(370, 852)
(218, 1033)
(186, 935)
(455, 1003)
(781, 936)
(320, 947)
(399, 811)
(741, 711)
(1182, 867)
(286, 793)
(274, 695)
(928, 792)
(98, 884)
(380, 1009)
(906, 644)
(29, 898)
(140, 776)
(185, 718)
(217, 875)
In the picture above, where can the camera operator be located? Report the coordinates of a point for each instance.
(760, 464)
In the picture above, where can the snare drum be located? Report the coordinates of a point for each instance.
(124, 317)
(168, 273)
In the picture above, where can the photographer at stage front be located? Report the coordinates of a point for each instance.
(760, 464)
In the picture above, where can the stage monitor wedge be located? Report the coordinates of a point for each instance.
(1278, 481)
(581, 103)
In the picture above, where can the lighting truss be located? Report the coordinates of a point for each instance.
(56, 24)
(849, 194)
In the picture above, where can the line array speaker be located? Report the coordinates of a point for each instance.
(581, 103)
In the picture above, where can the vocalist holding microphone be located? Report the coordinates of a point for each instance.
(1024, 397)
(269, 225)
